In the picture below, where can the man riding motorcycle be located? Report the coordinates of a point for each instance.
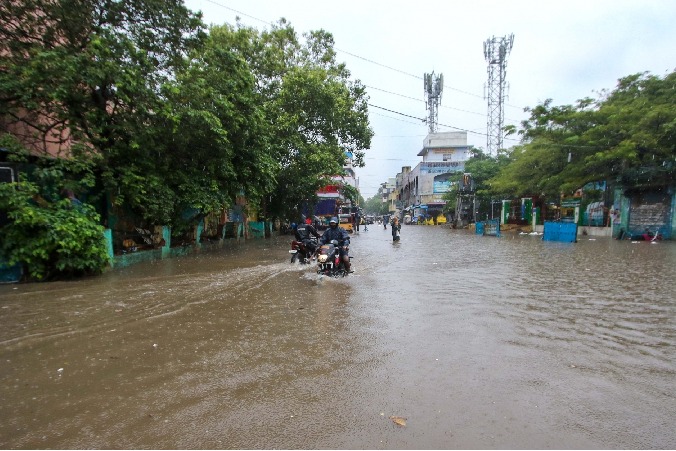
(339, 234)
(303, 233)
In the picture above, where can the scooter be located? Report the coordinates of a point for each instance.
(329, 262)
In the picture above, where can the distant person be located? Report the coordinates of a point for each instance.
(74, 201)
(386, 219)
(396, 230)
(357, 219)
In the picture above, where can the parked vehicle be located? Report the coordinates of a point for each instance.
(345, 221)
(304, 251)
(329, 262)
(647, 235)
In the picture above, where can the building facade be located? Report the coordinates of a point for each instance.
(421, 190)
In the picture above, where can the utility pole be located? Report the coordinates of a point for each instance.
(433, 88)
(496, 51)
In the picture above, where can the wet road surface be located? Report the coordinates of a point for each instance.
(479, 342)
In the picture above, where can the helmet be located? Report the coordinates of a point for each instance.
(334, 220)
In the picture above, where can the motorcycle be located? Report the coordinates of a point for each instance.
(304, 251)
(329, 262)
(647, 235)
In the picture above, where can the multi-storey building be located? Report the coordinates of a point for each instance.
(421, 190)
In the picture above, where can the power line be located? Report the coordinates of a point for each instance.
(239, 12)
(421, 100)
(380, 64)
(417, 77)
(395, 118)
(423, 119)
(397, 112)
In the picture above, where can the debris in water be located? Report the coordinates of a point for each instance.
(399, 421)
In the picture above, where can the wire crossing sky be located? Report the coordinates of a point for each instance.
(563, 50)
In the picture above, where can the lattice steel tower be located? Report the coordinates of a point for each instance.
(433, 88)
(496, 51)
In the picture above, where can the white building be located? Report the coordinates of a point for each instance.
(423, 188)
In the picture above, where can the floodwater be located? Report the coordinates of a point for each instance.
(478, 342)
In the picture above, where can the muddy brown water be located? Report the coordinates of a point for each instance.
(478, 342)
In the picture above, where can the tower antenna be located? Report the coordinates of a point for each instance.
(433, 88)
(496, 51)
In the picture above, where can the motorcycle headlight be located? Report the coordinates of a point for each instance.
(322, 258)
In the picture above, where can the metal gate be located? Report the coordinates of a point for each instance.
(650, 210)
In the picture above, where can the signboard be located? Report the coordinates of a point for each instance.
(329, 189)
(570, 203)
(441, 167)
(442, 186)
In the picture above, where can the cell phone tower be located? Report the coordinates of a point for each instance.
(496, 51)
(433, 88)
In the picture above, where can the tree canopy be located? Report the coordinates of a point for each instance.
(626, 136)
(314, 113)
(173, 115)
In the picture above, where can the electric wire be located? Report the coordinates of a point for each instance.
(440, 124)
(417, 77)
(442, 106)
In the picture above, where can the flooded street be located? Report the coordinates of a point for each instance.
(479, 342)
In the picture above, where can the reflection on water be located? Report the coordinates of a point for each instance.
(480, 342)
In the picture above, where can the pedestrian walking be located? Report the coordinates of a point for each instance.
(396, 230)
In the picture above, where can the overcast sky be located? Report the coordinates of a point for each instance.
(563, 50)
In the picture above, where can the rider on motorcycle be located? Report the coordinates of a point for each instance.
(303, 232)
(339, 234)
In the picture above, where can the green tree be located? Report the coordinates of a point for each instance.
(176, 119)
(213, 144)
(375, 204)
(633, 137)
(625, 136)
(50, 235)
(313, 111)
(482, 169)
(88, 75)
